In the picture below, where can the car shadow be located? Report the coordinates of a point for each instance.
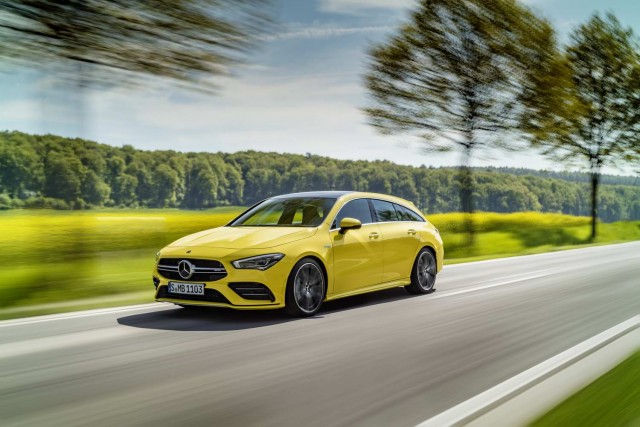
(224, 319)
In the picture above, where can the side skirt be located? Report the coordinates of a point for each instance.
(378, 287)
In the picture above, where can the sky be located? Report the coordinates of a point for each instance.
(300, 92)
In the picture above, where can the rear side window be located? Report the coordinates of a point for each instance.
(384, 211)
(358, 209)
(406, 214)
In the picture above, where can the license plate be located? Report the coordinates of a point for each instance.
(186, 288)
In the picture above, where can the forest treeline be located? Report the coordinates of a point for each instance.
(49, 171)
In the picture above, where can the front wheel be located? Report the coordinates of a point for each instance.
(423, 274)
(305, 288)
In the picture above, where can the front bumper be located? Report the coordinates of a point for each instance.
(239, 289)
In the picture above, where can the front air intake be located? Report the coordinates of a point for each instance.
(252, 291)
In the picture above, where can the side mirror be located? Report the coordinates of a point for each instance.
(349, 224)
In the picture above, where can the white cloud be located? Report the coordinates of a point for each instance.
(324, 32)
(317, 114)
(356, 6)
(16, 111)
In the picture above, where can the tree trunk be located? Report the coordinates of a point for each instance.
(465, 178)
(595, 181)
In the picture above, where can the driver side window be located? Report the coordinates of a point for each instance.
(358, 209)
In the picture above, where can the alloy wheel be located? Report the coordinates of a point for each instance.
(308, 287)
(426, 269)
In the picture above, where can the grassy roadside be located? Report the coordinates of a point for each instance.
(612, 400)
(64, 261)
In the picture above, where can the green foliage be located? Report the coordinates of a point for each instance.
(111, 177)
(599, 118)
(111, 41)
(461, 74)
(612, 401)
(19, 167)
(568, 176)
(62, 177)
(457, 72)
(202, 185)
(94, 190)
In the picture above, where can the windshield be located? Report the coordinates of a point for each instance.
(287, 212)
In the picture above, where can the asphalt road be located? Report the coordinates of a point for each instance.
(382, 359)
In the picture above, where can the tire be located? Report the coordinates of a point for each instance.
(306, 288)
(423, 273)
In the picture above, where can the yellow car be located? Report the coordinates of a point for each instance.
(298, 250)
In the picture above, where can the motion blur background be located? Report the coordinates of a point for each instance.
(124, 125)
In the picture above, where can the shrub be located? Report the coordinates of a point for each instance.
(46, 203)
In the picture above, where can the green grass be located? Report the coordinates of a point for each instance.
(56, 256)
(61, 260)
(612, 400)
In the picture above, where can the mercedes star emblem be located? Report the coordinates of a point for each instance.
(185, 269)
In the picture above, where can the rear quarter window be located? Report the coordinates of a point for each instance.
(406, 214)
(385, 212)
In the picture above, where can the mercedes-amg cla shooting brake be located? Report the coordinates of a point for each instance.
(298, 250)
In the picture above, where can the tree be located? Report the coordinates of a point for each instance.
(124, 190)
(19, 169)
(110, 176)
(145, 190)
(182, 40)
(166, 184)
(458, 75)
(202, 185)
(94, 190)
(600, 122)
(62, 177)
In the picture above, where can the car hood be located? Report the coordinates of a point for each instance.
(245, 237)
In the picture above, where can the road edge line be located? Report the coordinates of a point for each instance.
(488, 400)
(541, 254)
(76, 314)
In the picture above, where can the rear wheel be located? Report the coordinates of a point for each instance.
(423, 274)
(305, 288)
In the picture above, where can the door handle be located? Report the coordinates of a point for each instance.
(374, 235)
(411, 231)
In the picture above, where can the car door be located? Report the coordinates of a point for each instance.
(357, 254)
(400, 240)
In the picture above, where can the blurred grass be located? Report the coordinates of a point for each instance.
(51, 257)
(612, 400)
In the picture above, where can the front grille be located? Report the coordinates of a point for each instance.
(210, 295)
(252, 291)
(206, 270)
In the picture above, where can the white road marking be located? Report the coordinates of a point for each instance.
(57, 342)
(478, 405)
(521, 278)
(78, 314)
(521, 258)
(97, 312)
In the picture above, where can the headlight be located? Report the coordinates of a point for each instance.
(260, 262)
(157, 256)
